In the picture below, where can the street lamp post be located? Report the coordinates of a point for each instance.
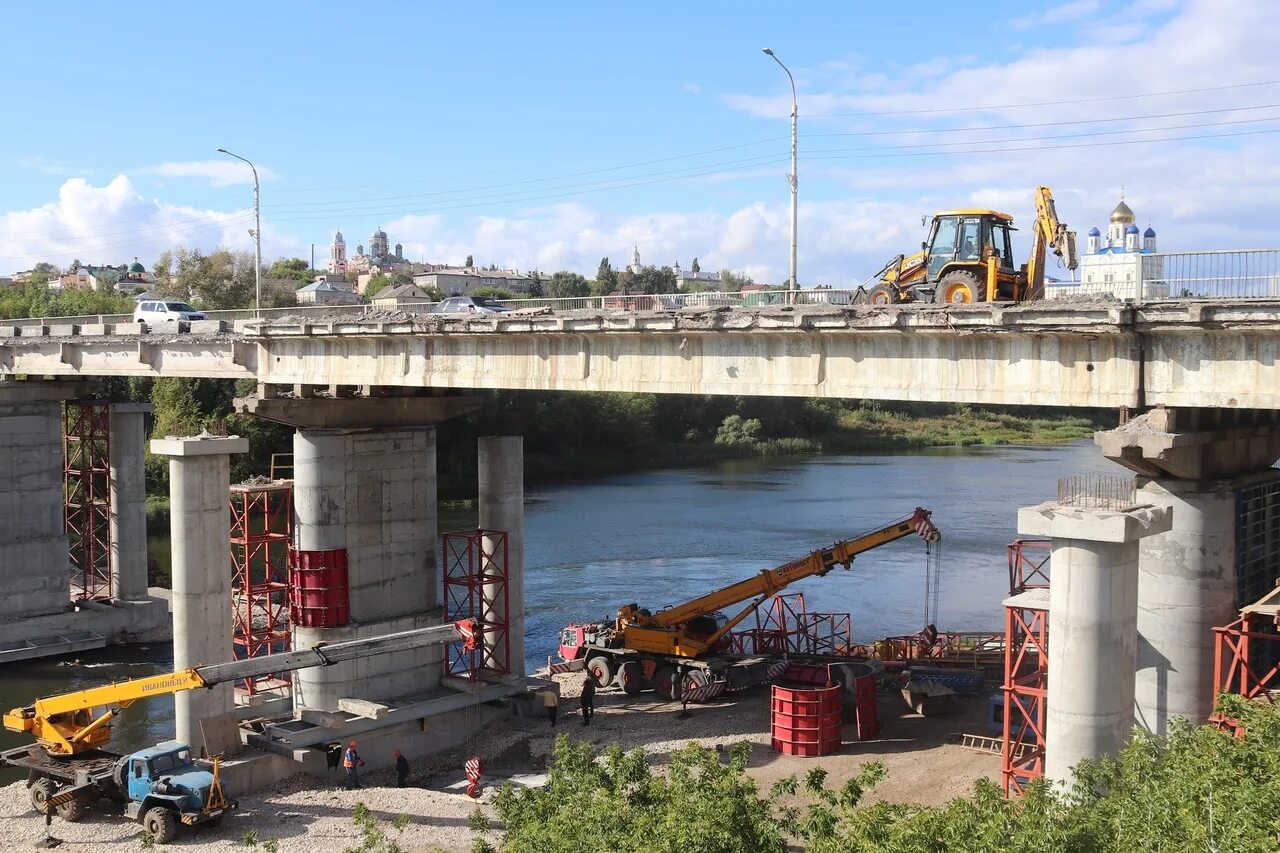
(792, 179)
(257, 237)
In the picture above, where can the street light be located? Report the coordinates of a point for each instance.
(257, 237)
(792, 179)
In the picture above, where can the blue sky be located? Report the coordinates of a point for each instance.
(549, 135)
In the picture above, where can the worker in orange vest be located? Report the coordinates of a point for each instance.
(351, 760)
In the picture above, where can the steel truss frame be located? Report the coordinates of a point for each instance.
(86, 478)
(475, 587)
(261, 531)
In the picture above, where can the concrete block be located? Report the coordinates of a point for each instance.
(10, 331)
(208, 327)
(63, 330)
(1097, 525)
(90, 330)
(363, 708)
(221, 736)
(128, 329)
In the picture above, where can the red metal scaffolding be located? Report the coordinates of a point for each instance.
(1026, 665)
(86, 474)
(475, 587)
(785, 626)
(1247, 656)
(261, 530)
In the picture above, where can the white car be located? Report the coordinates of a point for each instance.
(152, 312)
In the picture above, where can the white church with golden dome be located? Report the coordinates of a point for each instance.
(1118, 261)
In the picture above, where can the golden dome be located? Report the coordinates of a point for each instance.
(1122, 214)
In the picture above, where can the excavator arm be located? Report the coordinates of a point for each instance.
(67, 724)
(1049, 232)
(665, 631)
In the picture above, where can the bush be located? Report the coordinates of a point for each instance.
(735, 431)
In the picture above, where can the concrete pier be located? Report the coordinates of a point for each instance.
(34, 566)
(199, 486)
(372, 493)
(501, 499)
(1093, 638)
(128, 501)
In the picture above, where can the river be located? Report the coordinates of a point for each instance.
(659, 537)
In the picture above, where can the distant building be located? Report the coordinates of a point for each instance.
(381, 256)
(695, 279)
(324, 292)
(125, 278)
(337, 255)
(459, 281)
(1116, 263)
(403, 294)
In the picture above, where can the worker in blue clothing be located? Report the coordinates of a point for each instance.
(350, 761)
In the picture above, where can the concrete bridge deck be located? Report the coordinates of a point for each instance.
(1218, 353)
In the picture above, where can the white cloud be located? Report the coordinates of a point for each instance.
(110, 223)
(219, 173)
(692, 88)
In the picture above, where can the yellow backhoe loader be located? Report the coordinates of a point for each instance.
(968, 258)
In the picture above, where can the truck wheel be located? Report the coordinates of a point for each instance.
(74, 809)
(664, 681)
(600, 670)
(630, 677)
(960, 287)
(41, 791)
(883, 294)
(160, 824)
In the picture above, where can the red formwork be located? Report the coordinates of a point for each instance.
(1028, 565)
(1025, 689)
(318, 588)
(805, 721)
(261, 529)
(1247, 657)
(86, 475)
(475, 587)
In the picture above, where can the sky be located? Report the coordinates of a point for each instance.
(546, 136)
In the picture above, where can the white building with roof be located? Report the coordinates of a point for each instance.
(323, 292)
(1117, 262)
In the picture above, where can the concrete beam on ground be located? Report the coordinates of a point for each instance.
(199, 485)
(1093, 609)
(355, 413)
(1195, 445)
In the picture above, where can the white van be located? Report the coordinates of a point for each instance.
(152, 312)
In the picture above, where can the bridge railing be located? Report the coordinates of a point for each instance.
(1226, 274)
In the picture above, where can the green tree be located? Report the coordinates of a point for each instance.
(471, 262)
(491, 292)
(653, 280)
(294, 268)
(606, 278)
(733, 282)
(535, 285)
(376, 283)
(402, 276)
(734, 431)
(694, 268)
(565, 285)
(699, 804)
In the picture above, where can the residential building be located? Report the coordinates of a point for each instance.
(459, 281)
(324, 292)
(399, 296)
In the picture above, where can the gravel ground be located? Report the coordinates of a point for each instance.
(308, 814)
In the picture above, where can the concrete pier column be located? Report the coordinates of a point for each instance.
(34, 566)
(199, 490)
(1186, 588)
(501, 494)
(1093, 639)
(372, 494)
(128, 483)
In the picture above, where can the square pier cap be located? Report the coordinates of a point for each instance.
(1057, 521)
(199, 445)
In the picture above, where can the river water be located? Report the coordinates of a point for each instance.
(660, 537)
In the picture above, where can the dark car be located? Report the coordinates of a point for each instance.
(469, 305)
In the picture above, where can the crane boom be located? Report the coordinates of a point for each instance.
(64, 724)
(1049, 233)
(669, 631)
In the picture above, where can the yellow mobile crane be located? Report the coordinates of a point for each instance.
(968, 258)
(161, 787)
(678, 645)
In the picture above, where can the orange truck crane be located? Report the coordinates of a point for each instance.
(682, 646)
(968, 258)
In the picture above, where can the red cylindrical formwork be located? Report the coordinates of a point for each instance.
(868, 712)
(318, 588)
(805, 721)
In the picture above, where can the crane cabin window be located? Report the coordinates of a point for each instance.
(999, 242)
(942, 245)
(970, 239)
